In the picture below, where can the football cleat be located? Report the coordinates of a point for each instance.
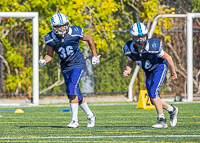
(173, 116)
(161, 123)
(91, 121)
(73, 124)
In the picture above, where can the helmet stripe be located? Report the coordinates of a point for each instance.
(60, 17)
(139, 29)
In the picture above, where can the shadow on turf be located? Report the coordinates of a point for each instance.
(96, 127)
(43, 126)
(122, 127)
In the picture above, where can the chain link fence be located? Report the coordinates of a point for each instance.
(105, 78)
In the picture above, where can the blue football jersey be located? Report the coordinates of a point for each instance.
(67, 48)
(149, 58)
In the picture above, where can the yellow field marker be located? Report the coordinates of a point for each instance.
(19, 111)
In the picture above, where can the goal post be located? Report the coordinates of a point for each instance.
(35, 41)
(189, 17)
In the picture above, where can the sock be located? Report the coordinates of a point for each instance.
(161, 116)
(86, 109)
(74, 109)
(170, 108)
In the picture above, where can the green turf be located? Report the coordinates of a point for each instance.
(112, 120)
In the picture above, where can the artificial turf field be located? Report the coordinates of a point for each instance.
(117, 122)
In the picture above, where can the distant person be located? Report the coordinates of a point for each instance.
(64, 40)
(150, 56)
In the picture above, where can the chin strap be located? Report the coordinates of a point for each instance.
(63, 34)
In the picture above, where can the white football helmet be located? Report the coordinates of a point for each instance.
(139, 29)
(59, 19)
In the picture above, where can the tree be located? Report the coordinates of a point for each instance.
(94, 16)
(99, 19)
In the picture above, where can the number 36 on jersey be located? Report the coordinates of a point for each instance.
(64, 52)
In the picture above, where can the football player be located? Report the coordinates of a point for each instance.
(150, 56)
(64, 40)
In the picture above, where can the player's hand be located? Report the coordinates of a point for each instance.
(126, 73)
(95, 60)
(42, 62)
(173, 76)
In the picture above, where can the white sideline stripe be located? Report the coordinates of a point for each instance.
(82, 137)
(67, 105)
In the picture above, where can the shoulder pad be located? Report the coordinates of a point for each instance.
(126, 48)
(154, 44)
(49, 39)
(76, 31)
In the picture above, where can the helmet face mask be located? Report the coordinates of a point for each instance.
(58, 20)
(139, 34)
(140, 41)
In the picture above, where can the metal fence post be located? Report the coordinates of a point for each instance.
(1, 71)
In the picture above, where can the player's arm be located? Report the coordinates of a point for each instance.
(170, 62)
(95, 59)
(91, 44)
(128, 69)
(48, 56)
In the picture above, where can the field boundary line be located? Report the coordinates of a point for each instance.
(81, 137)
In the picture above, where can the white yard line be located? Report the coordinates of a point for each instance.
(81, 137)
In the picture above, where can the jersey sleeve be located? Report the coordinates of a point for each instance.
(48, 40)
(161, 51)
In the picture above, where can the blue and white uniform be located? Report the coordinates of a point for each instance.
(151, 62)
(72, 63)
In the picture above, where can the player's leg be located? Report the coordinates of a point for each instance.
(72, 79)
(73, 101)
(84, 106)
(154, 82)
(173, 111)
(150, 85)
(161, 121)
